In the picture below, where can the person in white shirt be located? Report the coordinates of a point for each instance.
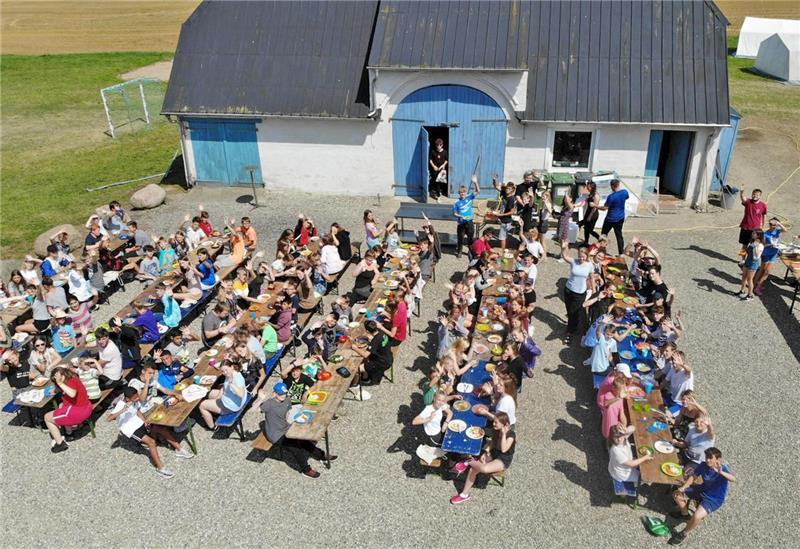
(431, 418)
(529, 267)
(621, 465)
(194, 234)
(505, 399)
(531, 244)
(329, 256)
(109, 363)
(132, 423)
(680, 378)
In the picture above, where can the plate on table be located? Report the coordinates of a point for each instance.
(212, 352)
(494, 338)
(457, 426)
(50, 390)
(304, 417)
(464, 387)
(613, 269)
(392, 284)
(672, 469)
(636, 392)
(498, 327)
(631, 301)
(618, 295)
(265, 297)
(461, 406)
(305, 253)
(354, 325)
(641, 407)
(182, 385)
(40, 381)
(475, 433)
(627, 355)
(480, 348)
(162, 329)
(482, 327)
(336, 359)
(158, 415)
(664, 446)
(501, 289)
(643, 368)
(317, 397)
(645, 450)
(208, 380)
(413, 249)
(206, 243)
(491, 368)
(387, 293)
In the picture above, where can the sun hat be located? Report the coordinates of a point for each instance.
(59, 314)
(280, 388)
(624, 369)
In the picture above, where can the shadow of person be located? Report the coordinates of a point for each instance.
(713, 254)
(601, 493)
(711, 286)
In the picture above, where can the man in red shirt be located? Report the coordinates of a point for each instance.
(755, 212)
(481, 245)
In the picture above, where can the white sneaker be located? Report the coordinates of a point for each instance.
(587, 362)
(166, 473)
(361, 394)
(184, 453)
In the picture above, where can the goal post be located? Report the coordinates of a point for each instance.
(132, 102)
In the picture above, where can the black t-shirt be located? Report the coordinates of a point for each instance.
(524, 187)
(91, 239)
(516, 367)
(127, 341)
(380, 352)
(525, 211)
(508, 203)
(254, 286)
(19, 375)
(649, 291)
(437, 157)
(297, 386)
(345, 249)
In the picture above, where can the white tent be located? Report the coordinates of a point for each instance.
(779, 57)
(756, 29)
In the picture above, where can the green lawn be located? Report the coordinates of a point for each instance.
(53, 145)
(756, 95)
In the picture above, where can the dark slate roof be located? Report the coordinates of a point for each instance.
(587, 61)
(287, 58)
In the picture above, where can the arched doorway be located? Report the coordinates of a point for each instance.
(471, 123)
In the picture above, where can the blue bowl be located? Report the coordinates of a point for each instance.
(501, 300)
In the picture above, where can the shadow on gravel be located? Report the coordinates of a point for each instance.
(711, 286)
(713, 254)
(425, 361)
(775, 301)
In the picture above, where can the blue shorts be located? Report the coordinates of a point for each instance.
(708, 504)
(752, 265)
(772, 260)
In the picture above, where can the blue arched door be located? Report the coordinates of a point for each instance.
(476, 127)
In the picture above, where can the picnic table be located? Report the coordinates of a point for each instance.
(793, 267)
(644, 410)
(337, 385)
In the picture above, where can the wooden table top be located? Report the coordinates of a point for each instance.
(792, 264)
(650, 471)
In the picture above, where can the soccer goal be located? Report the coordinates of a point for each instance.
(132, 104)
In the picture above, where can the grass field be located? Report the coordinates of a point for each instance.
(53, 144)
(78, 26)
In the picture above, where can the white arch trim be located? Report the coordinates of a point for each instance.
(505, 88)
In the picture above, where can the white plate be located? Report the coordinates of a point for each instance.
(211, 352)
(457, 426)
(664, 447)
(497, 326)
(643, 368)
(464, 387)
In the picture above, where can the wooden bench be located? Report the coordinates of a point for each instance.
(234, 419)
(261, 443)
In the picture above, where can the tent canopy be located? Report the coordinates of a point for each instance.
(779, 57)
(757, 29)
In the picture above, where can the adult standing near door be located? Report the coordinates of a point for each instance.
(437, 166)
(615, 218)
(462, 210)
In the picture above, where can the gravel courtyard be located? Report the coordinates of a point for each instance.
(746, 356)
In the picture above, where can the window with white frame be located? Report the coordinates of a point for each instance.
(571, 149)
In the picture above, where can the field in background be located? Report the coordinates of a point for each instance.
(53, 144)
(737, 10)
(34, 28)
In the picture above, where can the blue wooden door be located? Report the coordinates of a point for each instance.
(476, 137)
(727, 142)
(424, 149)
(653, 153)
(222, 149)
(208, 147)
(680, 148)
(241, 150)
(410, 158)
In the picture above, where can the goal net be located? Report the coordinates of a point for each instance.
(131, 105)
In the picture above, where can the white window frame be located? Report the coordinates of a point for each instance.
(551, 138)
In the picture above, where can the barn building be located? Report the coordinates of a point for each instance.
(347, 97)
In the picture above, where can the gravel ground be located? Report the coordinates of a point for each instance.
(558, 492)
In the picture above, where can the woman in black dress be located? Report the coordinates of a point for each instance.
(591, 213)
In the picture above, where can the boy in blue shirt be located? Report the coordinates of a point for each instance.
(710, 495)
(615, 218)
(462, 210)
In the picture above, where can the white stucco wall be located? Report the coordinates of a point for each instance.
(356, 156)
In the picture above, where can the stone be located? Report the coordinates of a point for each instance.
(43, 240)
(148, 197)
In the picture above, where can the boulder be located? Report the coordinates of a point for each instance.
(148, 197)
(43, 240)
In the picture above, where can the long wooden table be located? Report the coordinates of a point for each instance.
(616, 273)
(338, 386)
(792, 266)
